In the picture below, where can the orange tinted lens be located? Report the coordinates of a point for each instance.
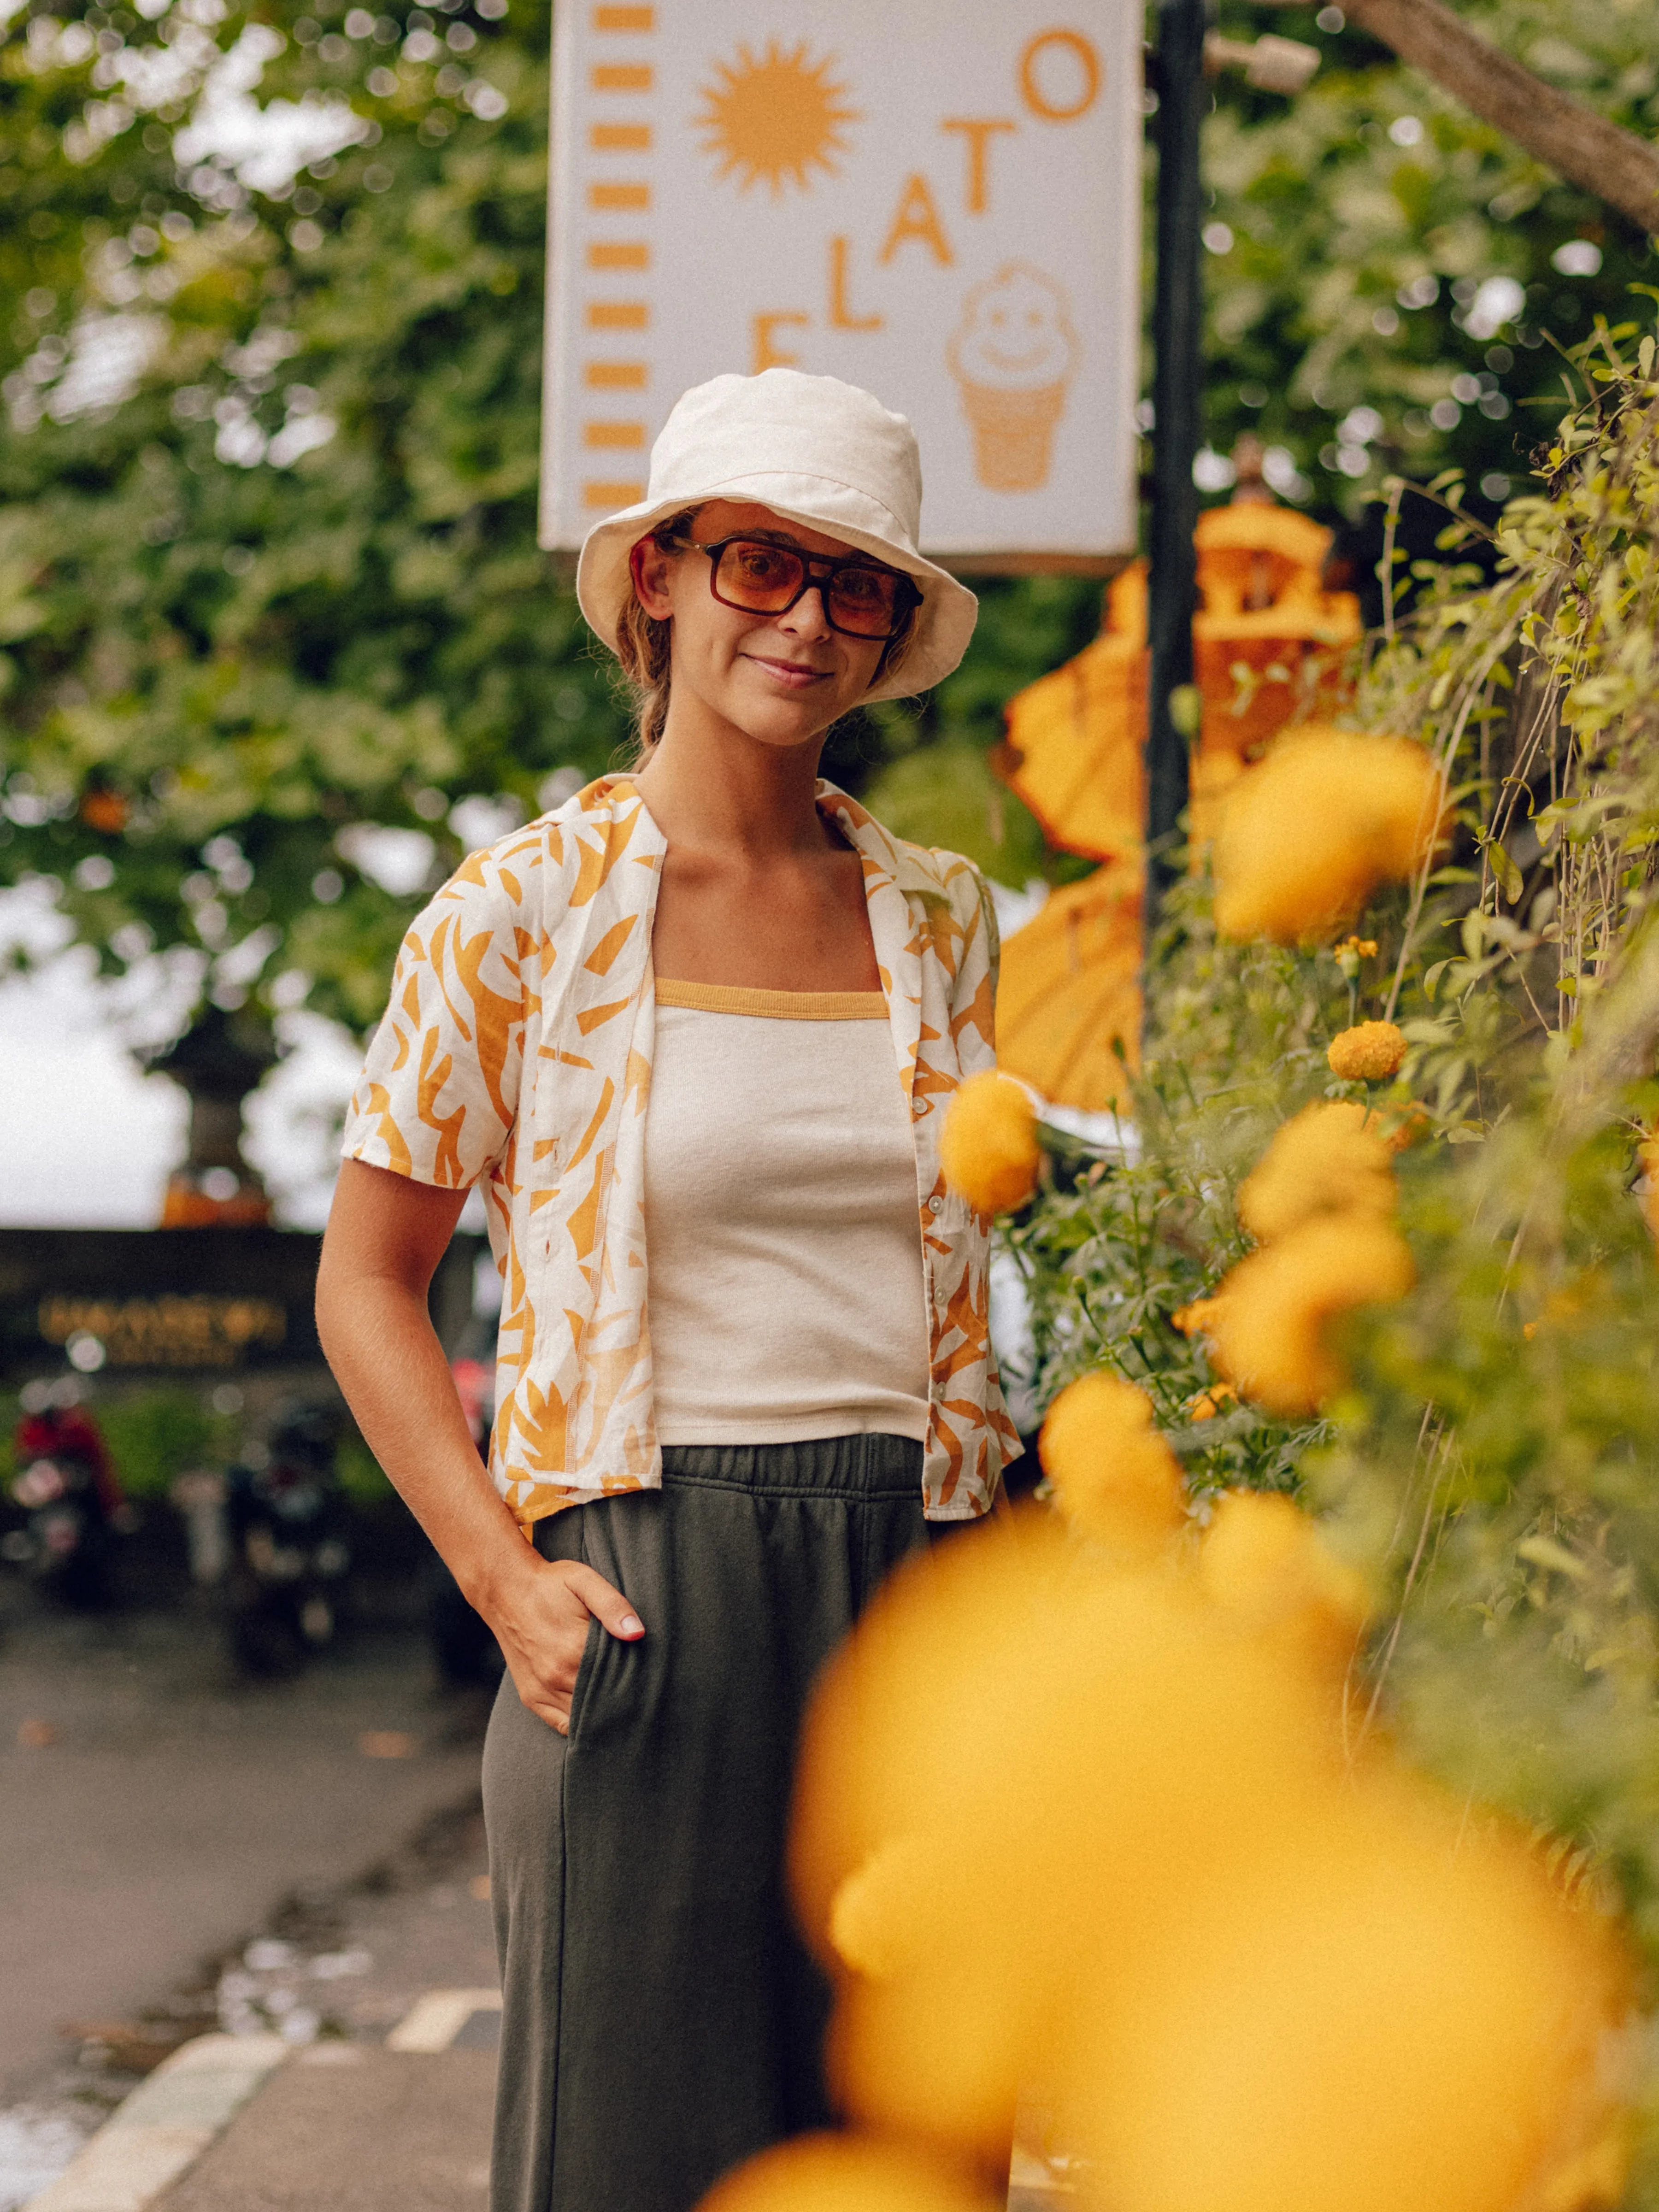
(763, 577)
(863, 601)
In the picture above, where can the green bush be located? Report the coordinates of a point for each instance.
(1491, 1464)
(154, 1435)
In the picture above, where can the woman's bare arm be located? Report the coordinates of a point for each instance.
(386, 1237)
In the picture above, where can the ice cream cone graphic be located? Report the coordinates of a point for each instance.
(1013, 354)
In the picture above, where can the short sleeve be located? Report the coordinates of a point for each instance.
(438, 1093)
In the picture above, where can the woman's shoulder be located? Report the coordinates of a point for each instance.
(560, 857)
(929, 871)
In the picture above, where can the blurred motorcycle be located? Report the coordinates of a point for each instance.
(465, 1652)
(288, 1543)
(72, 1503)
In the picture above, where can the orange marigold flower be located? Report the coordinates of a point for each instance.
(988, 1147)
(1402, 1128)
(1369, 1053)
(1192, 1319)
(844, 2174)
(1269, 1335)
(1331, 1158)
(1112, 1473)
(1208, 1403)
(1309, 835)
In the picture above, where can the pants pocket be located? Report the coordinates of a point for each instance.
(585, 1672)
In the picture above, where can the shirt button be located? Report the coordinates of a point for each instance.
(936, 1206)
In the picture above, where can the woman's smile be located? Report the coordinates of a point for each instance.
(793, 675)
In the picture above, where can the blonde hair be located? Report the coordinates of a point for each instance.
(645, 647)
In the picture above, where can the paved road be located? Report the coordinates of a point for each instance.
(153, 1811)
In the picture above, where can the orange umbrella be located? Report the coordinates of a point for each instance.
(1069, 1003)
(1075, 736)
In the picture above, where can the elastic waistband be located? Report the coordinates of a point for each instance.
(854, 1466)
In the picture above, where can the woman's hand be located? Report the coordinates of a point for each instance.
(386, 1237)
(542, 1628)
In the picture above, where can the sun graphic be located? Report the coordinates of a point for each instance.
(775, 117)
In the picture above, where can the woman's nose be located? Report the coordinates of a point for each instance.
(809, 614)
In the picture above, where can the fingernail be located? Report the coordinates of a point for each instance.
(631, 1625)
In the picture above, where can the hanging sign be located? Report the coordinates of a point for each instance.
(941, 204)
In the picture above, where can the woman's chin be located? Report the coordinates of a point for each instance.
(773, 717)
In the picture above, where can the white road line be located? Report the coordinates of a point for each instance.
(160, 2130)
(433, 2022)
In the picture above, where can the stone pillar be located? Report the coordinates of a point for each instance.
(217, 1062)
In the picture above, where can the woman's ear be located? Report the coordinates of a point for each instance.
(648, 564)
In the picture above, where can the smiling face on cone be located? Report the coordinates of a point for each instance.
(780, 679)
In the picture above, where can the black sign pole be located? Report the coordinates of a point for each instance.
(1177, 398)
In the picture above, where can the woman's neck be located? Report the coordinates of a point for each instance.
(722, 792)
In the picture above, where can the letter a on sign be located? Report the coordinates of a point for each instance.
(917, 217)
(940, 205)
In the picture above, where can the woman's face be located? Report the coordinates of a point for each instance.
(781, 680)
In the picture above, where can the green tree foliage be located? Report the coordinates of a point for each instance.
(231, 645)
(1396, 280)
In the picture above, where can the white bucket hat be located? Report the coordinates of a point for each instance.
(815, 451)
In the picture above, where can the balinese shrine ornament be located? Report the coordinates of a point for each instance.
(1271, 648)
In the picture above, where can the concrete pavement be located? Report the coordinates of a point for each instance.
(155, 1813)
(152, 1844)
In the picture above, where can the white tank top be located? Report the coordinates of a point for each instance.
(784, 1297)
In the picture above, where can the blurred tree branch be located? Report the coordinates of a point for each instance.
(1565, 133)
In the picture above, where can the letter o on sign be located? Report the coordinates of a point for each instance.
(1070, 66)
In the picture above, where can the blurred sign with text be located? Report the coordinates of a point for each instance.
(941, 204)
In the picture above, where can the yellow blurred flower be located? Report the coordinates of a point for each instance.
(988, 1147)
(1309, 835)
(1331, 1158)
(1369, 1053)
(1388, 2006)
(1114, 1475)
(877, 1914)
(1383, 2011)
(842, 2174)
(1268, 1336)
(1263, 1563)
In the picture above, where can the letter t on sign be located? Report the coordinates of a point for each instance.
(978, 130)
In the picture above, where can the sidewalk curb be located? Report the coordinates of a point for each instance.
(160, 2130)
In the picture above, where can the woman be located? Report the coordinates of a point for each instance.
(743, 1360)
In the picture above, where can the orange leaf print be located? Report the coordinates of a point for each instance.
(378, 1104)
(599, 960)
(435, 1069)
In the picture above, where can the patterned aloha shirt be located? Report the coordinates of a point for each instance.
(516, 1051)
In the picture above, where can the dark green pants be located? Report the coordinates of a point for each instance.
(661, 2020)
